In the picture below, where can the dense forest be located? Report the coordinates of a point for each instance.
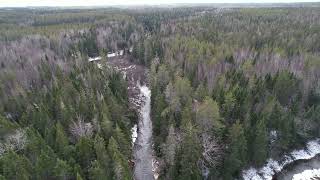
(230, 87)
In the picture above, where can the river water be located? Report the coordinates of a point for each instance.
(301, 170)
(140, 100)
(143, 153)
(289, 165)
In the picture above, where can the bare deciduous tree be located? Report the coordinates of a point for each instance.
(81, 129)
(15, 141)
(212, 150)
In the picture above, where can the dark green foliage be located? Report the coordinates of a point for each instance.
(97, 172)
(61, 141)
(231, 76)
(103, 165)
(45, 165)
(120, 165)
(47, 113)
(62, 170)
(187, 167)
(287, 80)
(237, 157)
(14, 166)
(85, 152)
(260, 143)
(160, 123)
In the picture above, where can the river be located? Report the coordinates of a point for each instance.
(143, 153)
(287, 166)
(300, 170)
(139, 99)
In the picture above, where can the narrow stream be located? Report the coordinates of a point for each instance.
(140, 100)
(143, 146)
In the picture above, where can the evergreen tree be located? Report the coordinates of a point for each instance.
(201, 92)
(61, 141)
(16, 167)
(45, 165)
(237, 157)
(229, 106)
(96, 172)
(2, 177)
(79, 177)
(287, 80)
(106, 124)
(62, 170)
(287, 130)
(103, 159)
(208, 116)
(123, 142)
(85, 152)
(260, 143)
(189, 156)
(159, 121)
(120, 165)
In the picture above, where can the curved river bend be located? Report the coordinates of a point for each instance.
(274, 168)
(301, 170)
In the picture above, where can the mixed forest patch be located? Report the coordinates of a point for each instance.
(230, 88)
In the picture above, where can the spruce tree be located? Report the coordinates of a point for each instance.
(189, 156)
(14, 166)
(260, 143)
(120, 165)
(237, 156)
(61, 141)
(62, 170)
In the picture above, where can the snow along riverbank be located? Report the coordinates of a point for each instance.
(307, 175)
(308, 168)
(272, 166)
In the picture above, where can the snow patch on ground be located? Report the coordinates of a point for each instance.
(272, 166)
(118, 53)
(99, 65)
(251, 174)
(134, 134)
(94, 59)
(124, 70)
(273, 136)
(109, 55)
(307, 175)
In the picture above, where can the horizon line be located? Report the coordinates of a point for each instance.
(161, 4)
